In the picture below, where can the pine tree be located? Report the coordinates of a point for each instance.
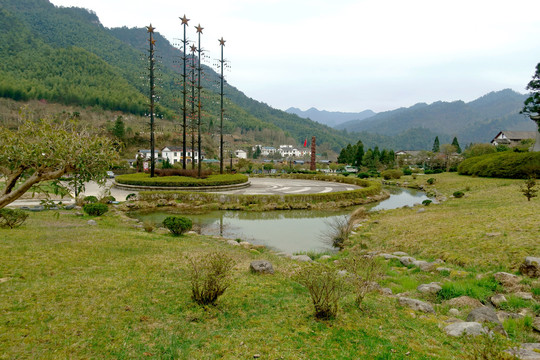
(436, 145)
(359, 154)
(456, 144)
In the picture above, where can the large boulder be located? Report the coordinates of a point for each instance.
(530, 267)
(486, 314)
(304, 258)
(416, 305)
(527, 351)
(431, 288)
(506, 279)
(261, 267)
(464, 328)
(407, 260)
(463, 301)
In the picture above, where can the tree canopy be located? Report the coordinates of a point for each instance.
(48, 149)
(532, 103)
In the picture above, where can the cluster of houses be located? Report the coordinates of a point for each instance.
(174, 154)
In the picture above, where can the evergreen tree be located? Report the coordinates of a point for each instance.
(456, 144)
(436, 145)
(119, 129)
(359, 153)
(257, 152)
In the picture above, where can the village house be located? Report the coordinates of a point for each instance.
(175, 154)
(240, 154)
(512, 138)
(147, 154)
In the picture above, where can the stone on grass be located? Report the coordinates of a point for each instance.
(191, 232)
(431, 288)
(261, 267)
(325, 257)
(530, 267)
(443, 269)
(464, 328)
(400, 253)
(424, 265)
(536, 323)
(386, 291)
(302, 258)
(416, 305)
(527, 351)
(506, 279)
(524, 295)
(407, 260)
(498, 299)
(233, 242)
(503, 315)
(453, 312)
(486, 314)
(388, 256)
(464, 301)
(92, 222)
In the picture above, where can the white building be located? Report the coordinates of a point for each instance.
(147, 154)
(175, 154)
(241, 154)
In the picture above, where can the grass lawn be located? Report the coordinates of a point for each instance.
(71, 290)
(492, 227)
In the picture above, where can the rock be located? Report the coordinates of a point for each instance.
(342, 273)
(70, 207)
(79, 214)
(486, 314)
(464, 301)
(245, 244)
(2, 280)
(503, 315)
(524, 295)
(536, 323)
(493, 234)
(261, 267)
(416, 305)
(498, 299)
(386, 291)
(464, 328)
(443, 269)
(388, 256)
(325, 257)
(400, 253)
(302, 258)
(191, 232)
(407, 260)
(454, 312)
(421, 210)
(431, 288)
(92, 222)
(424, 265)
(506, 279)
(531, 267)
(527, 351)
(233, 242)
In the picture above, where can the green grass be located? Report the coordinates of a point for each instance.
(492, 227)
(480, 289)
(112, 292)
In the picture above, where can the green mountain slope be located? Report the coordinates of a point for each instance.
(476, 121)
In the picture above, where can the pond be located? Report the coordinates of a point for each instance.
(289, 231)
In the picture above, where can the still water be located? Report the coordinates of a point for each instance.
(289, 231)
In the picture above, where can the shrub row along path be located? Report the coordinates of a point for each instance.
(259, 186)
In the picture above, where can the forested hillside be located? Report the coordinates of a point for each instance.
(476, 121)
(65, 55)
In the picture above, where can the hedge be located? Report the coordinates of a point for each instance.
(369, 188)
(506, 164)
(143, 179)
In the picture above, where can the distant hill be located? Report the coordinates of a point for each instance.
(330, 118)
(66, 56)
(476, 121)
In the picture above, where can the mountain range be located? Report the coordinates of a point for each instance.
(330, 118)
(66, 56)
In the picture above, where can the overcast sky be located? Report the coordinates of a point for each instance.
(352, 55)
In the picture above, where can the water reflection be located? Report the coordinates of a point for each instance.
(290, 231)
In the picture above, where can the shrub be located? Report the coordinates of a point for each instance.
(90, 199)
(177, 224)
(363, 175)
(325, 287)
(194, 173)
(528, 188)
(505, 164)
(433, 171)
(458, 194)
(431, 181)
(210, 277)
(407, 171)
(107, 199)
(97, 209)
(12, 218)
(426, 202)
(392, 174)
(131, 196)
(363, 272)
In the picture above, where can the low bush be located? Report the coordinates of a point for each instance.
(458, 194)
(210, 276)
(90, 199)
(193, 173)
(407, 171)
(426, 202)
(177, 224)
(325, 287)
(12, 218)
(363, 272)
(431, 181)
(392, 174)
(107, 199)
(505, 164)
(141, 179)
(433, 171)
(96, 209)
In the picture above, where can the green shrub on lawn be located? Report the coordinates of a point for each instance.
(507, 164)
(90, 199)
(177, 224)
(458, 194)
(97, 209)
(392, 174)
(12, 218)
(142, 179)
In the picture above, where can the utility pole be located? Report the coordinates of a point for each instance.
(184, 93)
(151, 68)
(193, 49)
(222, 44)
(199, 50)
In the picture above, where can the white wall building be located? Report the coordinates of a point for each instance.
(241, 154)
(146, 154)
(175, 154)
